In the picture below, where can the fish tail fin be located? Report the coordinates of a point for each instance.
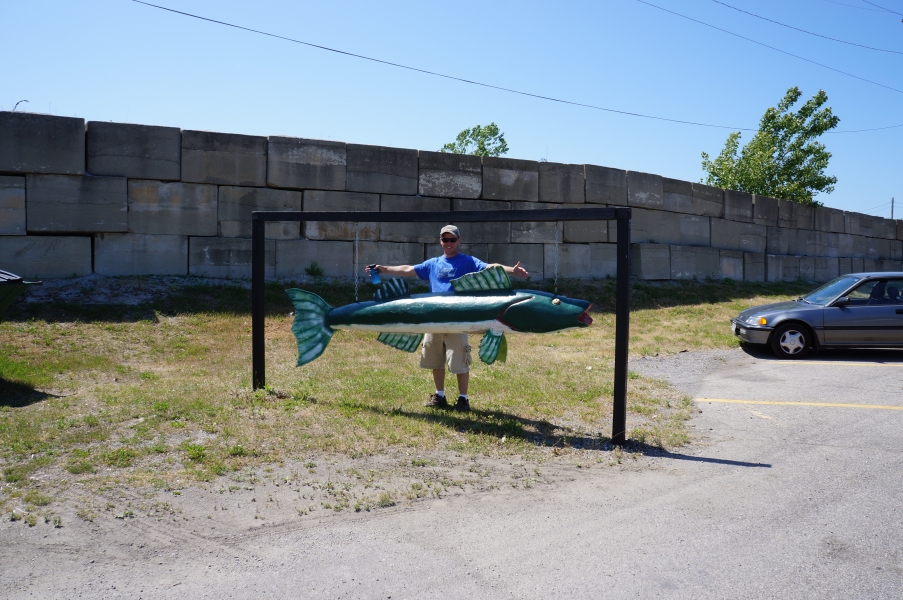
(310, 327)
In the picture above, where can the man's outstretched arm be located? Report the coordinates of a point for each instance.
(397, 270)
(516, 270)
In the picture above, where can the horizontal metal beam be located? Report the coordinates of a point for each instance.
(462, 216)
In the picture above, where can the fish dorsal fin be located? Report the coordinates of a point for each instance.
(490, 278)
(408, 342)
(392, 288)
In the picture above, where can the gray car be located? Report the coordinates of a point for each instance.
(858, 310)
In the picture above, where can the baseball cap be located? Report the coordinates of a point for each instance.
(450, 229)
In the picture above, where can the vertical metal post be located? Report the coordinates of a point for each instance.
(258, 300)
(622, 329)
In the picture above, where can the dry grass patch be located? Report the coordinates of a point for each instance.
(158, 394)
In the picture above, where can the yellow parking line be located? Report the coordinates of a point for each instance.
(834, 404)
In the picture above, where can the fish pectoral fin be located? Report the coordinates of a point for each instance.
(493, 347)
(409, 342)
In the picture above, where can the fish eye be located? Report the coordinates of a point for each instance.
(556, 301)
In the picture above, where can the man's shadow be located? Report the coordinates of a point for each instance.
(18, 395)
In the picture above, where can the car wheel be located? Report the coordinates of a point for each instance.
(791, 341)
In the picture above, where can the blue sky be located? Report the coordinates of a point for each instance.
(117, 60)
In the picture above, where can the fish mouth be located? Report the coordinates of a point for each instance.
(584, 316)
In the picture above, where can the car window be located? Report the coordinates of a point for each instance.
(877, 292)
(829, 291)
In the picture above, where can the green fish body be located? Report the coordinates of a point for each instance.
(482, 302)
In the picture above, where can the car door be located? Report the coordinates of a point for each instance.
(873, 317)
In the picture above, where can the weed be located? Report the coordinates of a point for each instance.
(385, 500)
(36, 498)
(121, 457)
(31, 520)
(195, 452)
(314, 270)
(79, 467)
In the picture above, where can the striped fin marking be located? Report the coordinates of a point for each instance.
(392, 288)
(493, 347)
(491, 278)
(409, 342)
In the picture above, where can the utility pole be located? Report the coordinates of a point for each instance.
(891, 209)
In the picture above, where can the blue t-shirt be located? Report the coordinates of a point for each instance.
(441, 270)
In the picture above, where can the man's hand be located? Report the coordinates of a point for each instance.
(519, 271)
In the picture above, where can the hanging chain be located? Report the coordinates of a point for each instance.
(556, 258)
(357, 257)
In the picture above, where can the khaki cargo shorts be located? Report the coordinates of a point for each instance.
(440, 349)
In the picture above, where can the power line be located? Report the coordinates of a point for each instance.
(767, 46)
(882, 8)
(851, 6)
(804, 31)
(477, 83)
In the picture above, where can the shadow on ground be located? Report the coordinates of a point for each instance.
(861, 355)
(18, 395)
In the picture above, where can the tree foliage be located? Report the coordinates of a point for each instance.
(481, 141)
(783, 159)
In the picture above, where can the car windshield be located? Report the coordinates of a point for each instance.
(830, 290)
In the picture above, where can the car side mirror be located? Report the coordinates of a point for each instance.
(841, 302)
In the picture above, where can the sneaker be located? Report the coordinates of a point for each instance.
(437, 401)
(462, 405)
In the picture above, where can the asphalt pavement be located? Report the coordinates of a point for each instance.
(774, 499)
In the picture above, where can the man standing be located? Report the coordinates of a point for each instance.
(452, 349)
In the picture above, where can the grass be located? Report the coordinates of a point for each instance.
(161, 391)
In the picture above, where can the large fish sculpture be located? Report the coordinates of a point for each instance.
(481, 302)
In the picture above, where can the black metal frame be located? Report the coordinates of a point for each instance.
(622, 296)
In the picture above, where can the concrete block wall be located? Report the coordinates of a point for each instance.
(130, 199)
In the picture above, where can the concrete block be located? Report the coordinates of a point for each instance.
(650, 261)
(586, 231)
(645, 190)
(381, 170)
(677, 196)
(298, 163)
(708, 200)
(878, 248)
(651, 227)
(530, 256)
(825, 244)
(870, 265)
(481, 251)
(33, 143)
(826, 268)
(899, 229)
(224, 158)
(852, 245)
(732, 262)
(510, 179)
(235, 205)
(424, 233)
(888, 229)
(782, 268)
(77, 204)
(561, 183)
(392, 253)
(753, 267)
(135, 151)
(689, 262)
(581, 261)
(733, 235)
(829, 219)
(317, 200)
(172, 208)
(451, 175)
(857, 265)
(844, 266)
(140, 254)
(227, 258)
(807, 268)
(483, 233)
(795, 215)
(891, 265)
(896, 250)
(335, 258)
(46, 257)
(535, 232)
(738, 206)
(851, 222)
(12, 205)
(605, 185)
(869, 226)
(765, 211)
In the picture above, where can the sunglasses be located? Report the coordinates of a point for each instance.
(449, 240)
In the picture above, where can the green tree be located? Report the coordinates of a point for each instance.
(783, 159)
(481, 141)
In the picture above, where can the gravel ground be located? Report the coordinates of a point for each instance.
(684, 370)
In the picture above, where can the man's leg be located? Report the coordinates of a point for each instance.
(439, 379)
(463, 380)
